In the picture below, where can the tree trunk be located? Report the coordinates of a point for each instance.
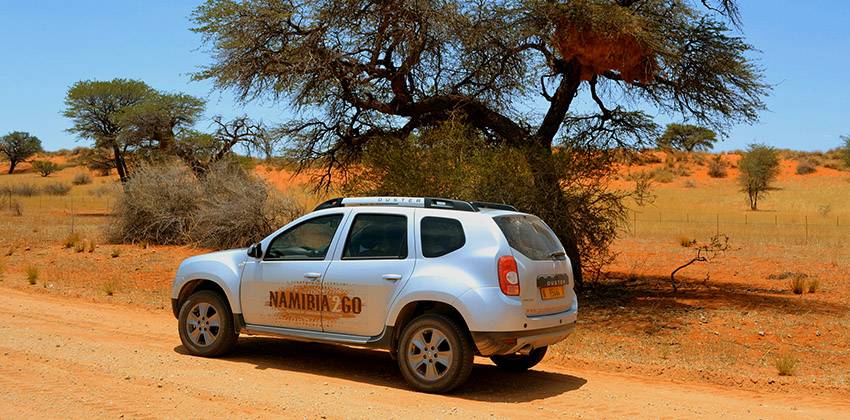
(12, 164)
(119, 164)
(551, 202)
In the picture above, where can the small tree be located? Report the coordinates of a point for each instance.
(44, 167)
(759, 167)
(18, 146)
(687, 137)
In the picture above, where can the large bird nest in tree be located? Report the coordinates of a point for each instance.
(603, 36)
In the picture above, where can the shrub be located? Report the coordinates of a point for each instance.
(90, 246)
(169, 204)
(82, 178)
(806, 166)
(23, 190)
(71, 240)
(44, 167)
(32, 275)
(108, 288)
(80, 246)
(717, 168)
(115, 253)
(785, 364)
(690, 184)
(798, 284)
(663, 175)
(814, 285)
(687, 242)
(57, 188)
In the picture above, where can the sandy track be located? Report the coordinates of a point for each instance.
(61, 357)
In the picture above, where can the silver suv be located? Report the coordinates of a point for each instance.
(433, 281)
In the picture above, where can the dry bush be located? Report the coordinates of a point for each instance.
(687, 242)
(23, 190)
(80, 246)
(717, 168)
(82, 178)
(32, 275)
(109, 288)
(15, 209)
(785, 364)
(663, 175)
(57, 188)
(814, 285)
(71, 240)
(115, 253)
(785, 275)
(798, 284)
(227, 207)
(806, 166)
(690, 184)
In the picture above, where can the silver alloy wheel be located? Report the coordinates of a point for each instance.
(429, 354)
(203, 324)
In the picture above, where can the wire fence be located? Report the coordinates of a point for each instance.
(788, 228)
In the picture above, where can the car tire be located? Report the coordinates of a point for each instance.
(435, 354)
(206, 325)
(519, 362)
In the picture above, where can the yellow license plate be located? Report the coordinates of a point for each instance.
(552, 292)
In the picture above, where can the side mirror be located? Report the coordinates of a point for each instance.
(255, 251)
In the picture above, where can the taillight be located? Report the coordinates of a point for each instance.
(508, 276)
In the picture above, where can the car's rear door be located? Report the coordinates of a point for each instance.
(375, 260)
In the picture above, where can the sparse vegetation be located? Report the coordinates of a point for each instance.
(798, 284)
(82, 178)
(44, 167)
(23, 190)
(785, 364)
(71, 240)
(32, 275)
(717, 168)
(15, 208)
(814, 285)
(169, 204)
(57, 188)
(806, 166)
(705, 252)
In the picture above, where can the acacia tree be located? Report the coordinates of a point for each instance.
(687, 137)
(19, 146)
(759, 167)
(201, 150)
(95, 108)
(155, 122)
(367, 70)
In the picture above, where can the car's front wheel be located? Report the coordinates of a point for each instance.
(435, 354)
(520, 362)
(206, 325)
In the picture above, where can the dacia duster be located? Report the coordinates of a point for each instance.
(434, 281)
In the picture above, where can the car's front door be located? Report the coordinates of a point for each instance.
(283, 289)
(376, 259)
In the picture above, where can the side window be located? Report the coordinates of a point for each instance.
(307, 241)
(377, 236)
(441, 236)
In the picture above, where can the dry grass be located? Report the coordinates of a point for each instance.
(814, 285)
(71, 240)
(115, 253)
(798, 285)
(108, 288)
(32, 275)
(785, 364)
(57, 188)
(82, 178)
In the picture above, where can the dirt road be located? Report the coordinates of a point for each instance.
(61, 357)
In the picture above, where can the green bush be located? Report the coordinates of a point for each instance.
(44, 167)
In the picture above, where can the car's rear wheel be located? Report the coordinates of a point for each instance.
(520, 362)
(206, 324)
(435, 354)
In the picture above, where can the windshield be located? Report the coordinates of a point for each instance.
(530, 236)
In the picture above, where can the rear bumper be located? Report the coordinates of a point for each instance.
(510, 342)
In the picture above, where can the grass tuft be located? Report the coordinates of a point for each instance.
(109, 288)
(798, 284)
(71, 240)
(32, 275)
(785, 364)
(814, 285)
(115, 253)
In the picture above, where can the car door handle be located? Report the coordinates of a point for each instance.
(392, 277)
(312, 276)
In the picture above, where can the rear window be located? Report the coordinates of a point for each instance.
(441, 236)
(529, 235)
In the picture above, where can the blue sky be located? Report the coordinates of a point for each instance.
(48, 45)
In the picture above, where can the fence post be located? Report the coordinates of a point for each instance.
(717, 224)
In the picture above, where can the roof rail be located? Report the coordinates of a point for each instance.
(423, 202)
(495, 206)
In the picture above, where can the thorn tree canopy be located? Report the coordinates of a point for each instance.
(362, 70)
